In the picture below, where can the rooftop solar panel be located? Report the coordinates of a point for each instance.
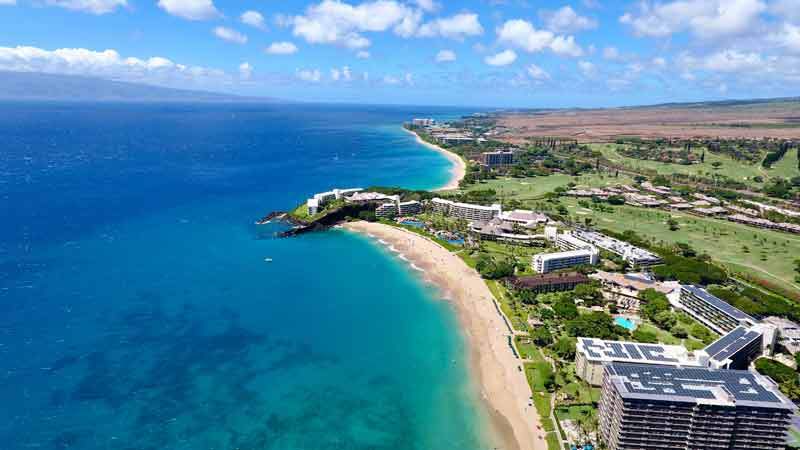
(718, 303)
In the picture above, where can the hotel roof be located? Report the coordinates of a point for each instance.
(726, 346)
(633, 352)
(696, 385)
(718, 303)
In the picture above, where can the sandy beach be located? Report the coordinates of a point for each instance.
(502, 385)
(458, 170)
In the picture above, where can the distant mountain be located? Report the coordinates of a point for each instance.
(43, 86)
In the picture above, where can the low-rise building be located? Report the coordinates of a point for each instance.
(709, 310)
(549, 262)
(624, 288)
(591, 355)
(737, 349)
(499, 230)
(667, 407)
(788, 333)
(550, 282)
(466, 211)
(524, 217)
(633, 255)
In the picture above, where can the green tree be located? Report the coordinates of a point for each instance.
(665, 319)
(565, 308)
(564, 348)
(654, 302)
(595, 324)
(640, 335)
(679, 331)
(542, 336)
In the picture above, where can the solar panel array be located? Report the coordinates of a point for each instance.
(718, 303)
(695, 384)
(728, 345)
(630, 351)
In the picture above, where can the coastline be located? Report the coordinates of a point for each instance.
(457, 171)
(502, 386)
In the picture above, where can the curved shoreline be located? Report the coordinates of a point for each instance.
(502, 386)
(457, 171)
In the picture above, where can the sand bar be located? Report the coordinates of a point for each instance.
(457, 171)
(502, 385)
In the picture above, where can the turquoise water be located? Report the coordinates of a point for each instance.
(625, 323)
(137, 310)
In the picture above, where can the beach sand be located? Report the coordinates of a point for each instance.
(458, 170)
(502, 385)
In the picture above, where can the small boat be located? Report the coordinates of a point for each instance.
(267, 259)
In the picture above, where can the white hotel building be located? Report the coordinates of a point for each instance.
(548, 262)
(466, 211)
(318, 201)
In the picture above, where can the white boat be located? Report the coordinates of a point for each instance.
(267, 259)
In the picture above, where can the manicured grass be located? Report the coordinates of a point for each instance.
(736, 170)
(525, 189)
(552, 441)
(517, 316)
(665, 337)
(786, 167)
(761, 254)
(574, 412)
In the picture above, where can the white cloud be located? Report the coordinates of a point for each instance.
(787, 37)
(310, 75)
(245, 70)
(503, 58)
(445, 56)
(342, 74)
(230, 35)
(537, 73)
(786, 9)
(190, 9)
(587, 68)
(8, 2)
(98, 7)
(566, 20)
(457, 27)
(254, 19)
(281, 48)
(732, 61)
(522, 34)
(108, 64)
(704, 18)
(339, 23)
(362, 54)
(427, 5)
(659, 62)
(611, 53)
(390, 79)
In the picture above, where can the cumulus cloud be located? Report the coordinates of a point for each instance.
(457, 27)
(281, 48)
(362, 54)
(107, 64)
(503, 58)
(97, 7)
(245, 70)
(587, 68)
(8, 2)
(339, 23)
(190, 9)
(787, 37)
(342, 74)
(522, 34)
(566, 20)
(230, 35)
(786, 9)
(537, 73)
(254, 19)
(427, 5)
(309, 75)
(445, 56)
(704, 18)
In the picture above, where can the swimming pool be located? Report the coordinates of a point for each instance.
(625, 323)
(413, 223)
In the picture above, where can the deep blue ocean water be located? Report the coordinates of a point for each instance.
(137, 310)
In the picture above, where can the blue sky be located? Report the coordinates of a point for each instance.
(515, 53)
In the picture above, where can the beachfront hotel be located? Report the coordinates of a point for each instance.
(497, 158)
(633, 255)
(466, 211)
(666, 407)
(548, 262)
(709, 310)
(318, 201)
(397, 208)
(550, 282)
(524, 217)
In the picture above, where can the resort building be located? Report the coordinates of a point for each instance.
(548, 262)
(788, 333)
(316, 203)
(398, 208)
(709, 310)
(550, 282)
(498, 158)
(666, 407)
(624, 289)
(568, 241)
(370, 197)
(633, 255)
(498, 230)
(524, 217)
(737, 349)
(591, 355)
(422, 123)
(465, 210)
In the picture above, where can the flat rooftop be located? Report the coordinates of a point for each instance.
(726, 346)
(598, 350)
(720, 304)
(697, 385)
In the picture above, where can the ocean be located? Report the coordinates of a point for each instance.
(138, 311)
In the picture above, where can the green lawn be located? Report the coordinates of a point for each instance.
(762, 254)
(786, 167)
(736, 170)
(525, 189)
(517, 316)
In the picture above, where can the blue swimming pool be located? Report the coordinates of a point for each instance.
(413, 223)
(625, 323)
